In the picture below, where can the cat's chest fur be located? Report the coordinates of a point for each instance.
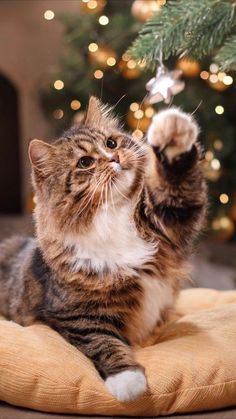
(111, 243)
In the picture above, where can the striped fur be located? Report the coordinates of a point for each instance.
(113, 238)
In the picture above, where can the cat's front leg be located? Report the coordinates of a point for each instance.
(124, 378)
(175, 191)
(173, 133)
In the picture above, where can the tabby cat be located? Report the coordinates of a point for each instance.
(115, 223)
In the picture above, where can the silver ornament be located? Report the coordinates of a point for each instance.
(164, 85)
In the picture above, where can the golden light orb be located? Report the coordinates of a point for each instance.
(138, 114)
(111, 61)
(75, 104)
(92, 4)
(224, 198)
(219, 110)
(228, 80)
(204, 75)
(58, 84)
(134, 106)
(103, 20)
(58, 114)
(137, 134)
(49, 15)
(215, 164)
(93, 47)
(98, 74)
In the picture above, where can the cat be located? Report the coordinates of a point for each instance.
(115, 225)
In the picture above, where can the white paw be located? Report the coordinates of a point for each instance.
(174, 131)
(127, 385)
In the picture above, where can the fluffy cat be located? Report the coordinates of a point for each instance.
(115, 224)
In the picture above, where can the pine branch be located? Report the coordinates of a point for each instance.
(226, 56)
(185, 27)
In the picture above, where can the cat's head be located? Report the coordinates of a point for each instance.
(93, 164)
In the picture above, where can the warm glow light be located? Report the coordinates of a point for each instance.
(58, 114)
(221, 75)
(213, 78)
(75, 104)
(137, 134)
(93, 47)
(98, 74)
(218, 145)
(228, 80)
(224, 199)
(103, 20)
(204, 75)
(131, 64)
(215, 164)
(138, 114)
(134, 107)
(92, 4)
(209, 155)
(161, 2)
(149, 112)
(125, 57)
(58, 84)
(49, 15)
(111, 61)
(214, 68)
(219, 109)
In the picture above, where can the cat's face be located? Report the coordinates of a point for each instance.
(93, 165)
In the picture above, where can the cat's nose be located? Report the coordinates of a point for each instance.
(114, 158)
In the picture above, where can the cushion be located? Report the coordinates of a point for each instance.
(190, 366)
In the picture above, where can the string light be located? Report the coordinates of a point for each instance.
(138, 114)
(58, 84)
(98, 74)
(219, 110)
(111, 61)
(137, 134)
(221, 75)
(214, 68)
(92, 4)
(134, 106)
(149, 112)
(49, 15)
(228, 80)
(125, 57)
(93, 47)
(204, 75)
(209, 155)
(103, 20)
(75, 104)
(218, 145)
(58, 114)
(224, 198)
(213, 78)
(131, 64)
(215, 164)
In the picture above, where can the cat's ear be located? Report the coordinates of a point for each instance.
(40, 153)
(99, 114)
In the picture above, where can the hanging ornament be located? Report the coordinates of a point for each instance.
(103, 56)
(145, 9)
(92, 6)
(189, 68)
(164, 85)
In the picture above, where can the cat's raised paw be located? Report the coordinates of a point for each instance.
(127, 385)
(173, 131)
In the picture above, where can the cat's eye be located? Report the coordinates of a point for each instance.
(85, 162)
(111, 143)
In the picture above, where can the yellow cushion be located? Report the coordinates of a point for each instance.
(192, 367)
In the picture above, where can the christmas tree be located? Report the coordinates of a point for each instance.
(96, 61)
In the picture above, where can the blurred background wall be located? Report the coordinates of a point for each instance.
(29, 51)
